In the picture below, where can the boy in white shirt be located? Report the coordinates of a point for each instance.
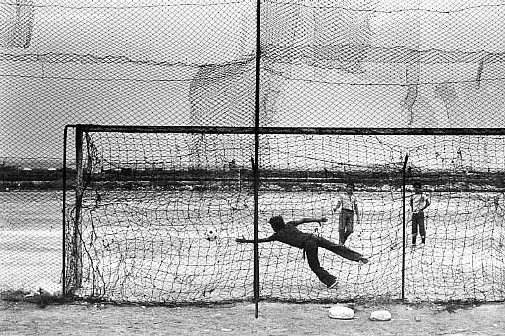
(418, 202)
(349, 204)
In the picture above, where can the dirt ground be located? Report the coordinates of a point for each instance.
(83, 318)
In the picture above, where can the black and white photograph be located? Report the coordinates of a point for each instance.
(252, 167)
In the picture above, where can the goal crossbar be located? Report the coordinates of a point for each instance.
(288, 130)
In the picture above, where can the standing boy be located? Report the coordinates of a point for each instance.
(288, 233)
(418, 202)
(349, 204)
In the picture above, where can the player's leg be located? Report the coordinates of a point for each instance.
(414, 228)
(341, 227)
(422, 228)
(311, 251)
(341, 250)
(349, 227)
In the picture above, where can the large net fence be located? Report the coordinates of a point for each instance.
(157, 223)
(159, 62)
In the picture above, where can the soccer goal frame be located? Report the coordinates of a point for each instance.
(76, 183)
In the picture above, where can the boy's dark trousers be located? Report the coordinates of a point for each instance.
(418, 223)
(346, 225)
(311, 251)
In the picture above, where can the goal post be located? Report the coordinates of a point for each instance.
(185, 167)
(157, 211)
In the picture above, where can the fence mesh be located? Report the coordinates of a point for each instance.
(157, 221)
(159, 62)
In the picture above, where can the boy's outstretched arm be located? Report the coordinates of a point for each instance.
(307, 220)
(261, 240)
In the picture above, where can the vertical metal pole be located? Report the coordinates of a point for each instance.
(256, 161)
(79, 189)
(404, 183)
(64, 216)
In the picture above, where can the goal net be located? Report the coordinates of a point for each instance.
(155, 220)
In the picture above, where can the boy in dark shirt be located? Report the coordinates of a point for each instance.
(288, 233)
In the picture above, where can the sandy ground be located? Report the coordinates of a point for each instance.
(82, 318)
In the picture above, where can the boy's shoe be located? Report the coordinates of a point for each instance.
(363, 261)
(334, 285)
